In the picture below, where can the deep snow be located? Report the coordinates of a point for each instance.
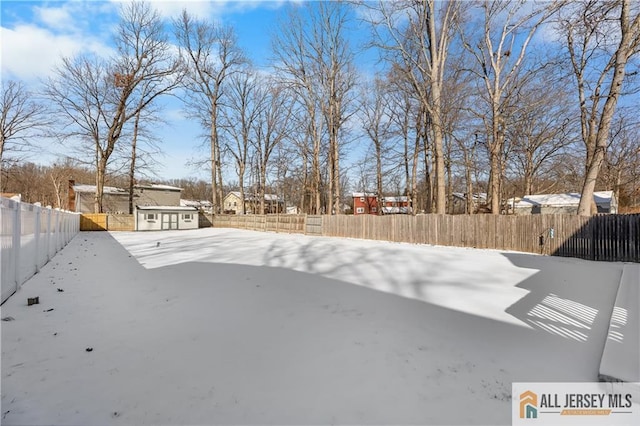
(225, 326)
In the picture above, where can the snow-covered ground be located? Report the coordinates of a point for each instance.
(225, 326)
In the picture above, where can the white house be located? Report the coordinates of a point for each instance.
(157, 218)
(561, 203)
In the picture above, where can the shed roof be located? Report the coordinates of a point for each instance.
(166, 208)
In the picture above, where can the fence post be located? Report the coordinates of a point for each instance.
(57, 224)
(37, 238)
(17, 232)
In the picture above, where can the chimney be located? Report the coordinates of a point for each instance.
(71, 205)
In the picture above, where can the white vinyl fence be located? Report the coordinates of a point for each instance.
(31, 236)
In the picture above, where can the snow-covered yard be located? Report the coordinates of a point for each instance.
(224, 326)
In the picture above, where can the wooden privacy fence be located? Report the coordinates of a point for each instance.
(255, 222)
(93, 222)
(106, 222)
(603, 237)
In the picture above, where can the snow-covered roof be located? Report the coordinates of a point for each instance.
(105, 189)
(195, 203)
(364, 194)
(114, 190)
(396, 199)
(561, 200)
(164, 208)
(161, 187)
(396, 210)
(12, 196)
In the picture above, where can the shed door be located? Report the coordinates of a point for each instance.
(169, 220)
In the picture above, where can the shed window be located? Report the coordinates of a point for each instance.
(187, 217)
(374, 209)
(362, 199)
(360, 210)
(150, 216)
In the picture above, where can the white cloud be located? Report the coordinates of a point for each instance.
(29, 52)
(77, 17)
(55, 17)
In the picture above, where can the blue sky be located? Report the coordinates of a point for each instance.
(36, 34)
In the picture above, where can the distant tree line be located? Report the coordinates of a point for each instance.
(507, 98)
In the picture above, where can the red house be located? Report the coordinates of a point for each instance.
(365, 203)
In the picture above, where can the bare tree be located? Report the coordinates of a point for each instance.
(95, 99)
(408, 123)
(315, 60)
(294, 64)
(417, 35)
(212, 54)
(376, 121)
(541, 128)
(21, 117)
(337, 77)
(245, 101)
(507, 30)
(272, 128)
(45, 184)
(144, 150)
(601, 38)
(621, 168)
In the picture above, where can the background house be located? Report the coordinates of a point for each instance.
(398, 204)
(365, 203)
(566, 203)
(156, 195)
(232, 203)
(478, 201)
(116, 200)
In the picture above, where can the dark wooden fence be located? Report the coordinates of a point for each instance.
(614, 238)
(602, 237)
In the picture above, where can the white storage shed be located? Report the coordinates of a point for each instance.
(159, 218)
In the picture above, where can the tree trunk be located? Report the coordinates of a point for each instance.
(316, 173)
(336, 176)
(494, 184)
(132, 165)
(469, 182)
(214, 166)
(100, 174)
(378, 167)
